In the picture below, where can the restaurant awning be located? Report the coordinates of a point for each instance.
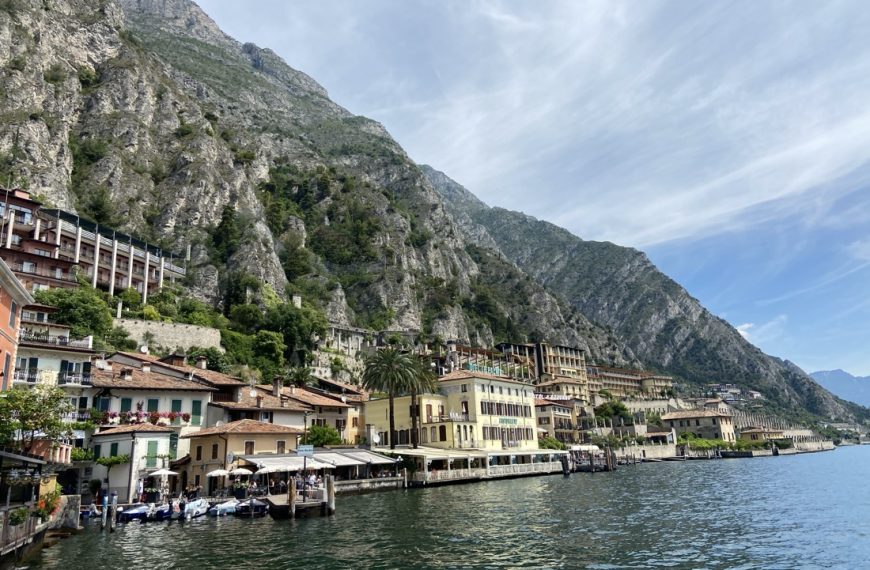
(337, 459)
(369, 457)
(287, 463)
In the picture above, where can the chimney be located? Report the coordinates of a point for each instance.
(146, 367)
(259, 401)
(201, 362)
(277, 384)
(292, 390)
(126, 373)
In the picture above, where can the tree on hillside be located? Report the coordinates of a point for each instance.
(268, 349)
(390, 371)
(82, 308)
(299, 328)
(30, 414)
(613, 409)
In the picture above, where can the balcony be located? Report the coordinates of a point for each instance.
(42, 272)
(28, 376)
(51, 340)
(454, 417)
(73, 379)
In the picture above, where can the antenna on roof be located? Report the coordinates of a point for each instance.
(218, 423)
(143, 349)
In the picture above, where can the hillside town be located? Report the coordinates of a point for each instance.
(158, 421)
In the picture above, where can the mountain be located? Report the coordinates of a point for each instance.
(143, 115)
(620, 288)
(853, 388)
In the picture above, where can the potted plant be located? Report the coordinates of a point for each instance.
(240, 489)
(17, 516)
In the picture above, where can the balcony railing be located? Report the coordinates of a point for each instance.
(79, 416)
(36, 337)
(25, 375)
(546, 467)
(454, 417)
(72, 379)
(42, 272)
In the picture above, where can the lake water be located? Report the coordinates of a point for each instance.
(806, 511)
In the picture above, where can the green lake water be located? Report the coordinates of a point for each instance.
(806, 511)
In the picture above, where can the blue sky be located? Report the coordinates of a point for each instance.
(728, 140)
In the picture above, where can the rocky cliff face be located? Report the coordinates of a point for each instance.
(618, 287)
(143, 115)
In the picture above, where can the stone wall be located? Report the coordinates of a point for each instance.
(805, 446)
(67, 515)
(170, 335)
(651, 451)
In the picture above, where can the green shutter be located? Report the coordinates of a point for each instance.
(113, 450)
(196, 412)
(151, 459)
(97, 449)
(176, 407)
(152, 404)
(126, 404)
(173, 444)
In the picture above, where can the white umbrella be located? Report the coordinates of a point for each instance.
(162, 472)
(271, 469)
(217, 473)
(241, 471)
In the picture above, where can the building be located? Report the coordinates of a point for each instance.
(554, 418)
(148, 447)
(13, 296)
(563, 388)
(761, 434)
(218, 447)
(472, 410)
(48, 354)
(327, 410)
(706, 424)
(560, 361)
(625, 383)
(262, 404)
(43, 245)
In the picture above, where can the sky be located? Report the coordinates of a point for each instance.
(728, 140)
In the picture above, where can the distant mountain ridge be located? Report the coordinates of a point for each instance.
(853, 388)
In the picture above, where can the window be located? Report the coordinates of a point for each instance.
(340, 425)
(6, 364)
(102, 404)
(464, 388)
(280, 446)
(176, 407)
(173, 445)
(442, 433)
(153, 404)
(151, 458)
(97, 449)
(113, 450)
(126, 404)
(196, 480)
(199, 453)
(196, 412)
(214, 451)
(249, 448)
(432, 432)
(12, 311)
(354, 422)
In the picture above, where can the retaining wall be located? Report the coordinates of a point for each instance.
(171, 335)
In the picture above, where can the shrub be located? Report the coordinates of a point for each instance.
(18, 63)
(88, 77)
(55, 74)
(149, 313)
(82, 454)
(18, 516)
(184, 130)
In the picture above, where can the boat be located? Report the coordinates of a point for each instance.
(195, 508)
(138, 512)
(223, 509)
(252, 508)
(160, 512)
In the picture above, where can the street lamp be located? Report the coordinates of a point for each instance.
(399, 460)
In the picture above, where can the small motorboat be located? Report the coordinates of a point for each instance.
(252, 508)
(195, 508)
(137, 512)
(160, 512)
(225, 508)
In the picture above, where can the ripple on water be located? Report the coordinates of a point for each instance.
(792, 512)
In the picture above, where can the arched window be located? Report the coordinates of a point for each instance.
(434, 436)
(442, 433)
(465, 433)
(459, 434)
(425, 436)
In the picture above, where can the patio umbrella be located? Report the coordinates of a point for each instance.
(241, 471)
(271, 469)
(161, 473)
(217, 473)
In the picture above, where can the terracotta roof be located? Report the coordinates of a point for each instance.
(139, 380)
(135, 428)
(312, 398)
(209, 376)
(344, 386)
(560, 381)
(269, 402)
(683, 414)
(541, 402)
(245, 426)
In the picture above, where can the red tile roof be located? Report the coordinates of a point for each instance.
(269, 402)
(467, 375)
(211, 377)
(245, 427)
(306, 396)
(139, 380)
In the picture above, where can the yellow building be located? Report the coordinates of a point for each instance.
(219, 447)
(761, 434)
(472, 411)
(554, 420)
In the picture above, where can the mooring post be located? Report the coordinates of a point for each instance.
(113, 514)
(291, 497)
(330, 494)
(105, 512)
(405, 478)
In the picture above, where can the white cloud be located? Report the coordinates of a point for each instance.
(860, 249)
(744, 330)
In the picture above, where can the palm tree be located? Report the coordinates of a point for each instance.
(301, 376)
(392, 371)
(422, 382)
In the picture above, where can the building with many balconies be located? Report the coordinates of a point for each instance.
(13, 296)
(43, 246)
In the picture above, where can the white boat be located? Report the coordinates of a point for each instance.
(195, 508)
(225, 508)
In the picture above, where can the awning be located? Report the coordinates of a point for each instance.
(288, 463)
(369, 457)
(337, 459)
(427, 452)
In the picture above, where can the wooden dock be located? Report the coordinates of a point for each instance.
(307, 502)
